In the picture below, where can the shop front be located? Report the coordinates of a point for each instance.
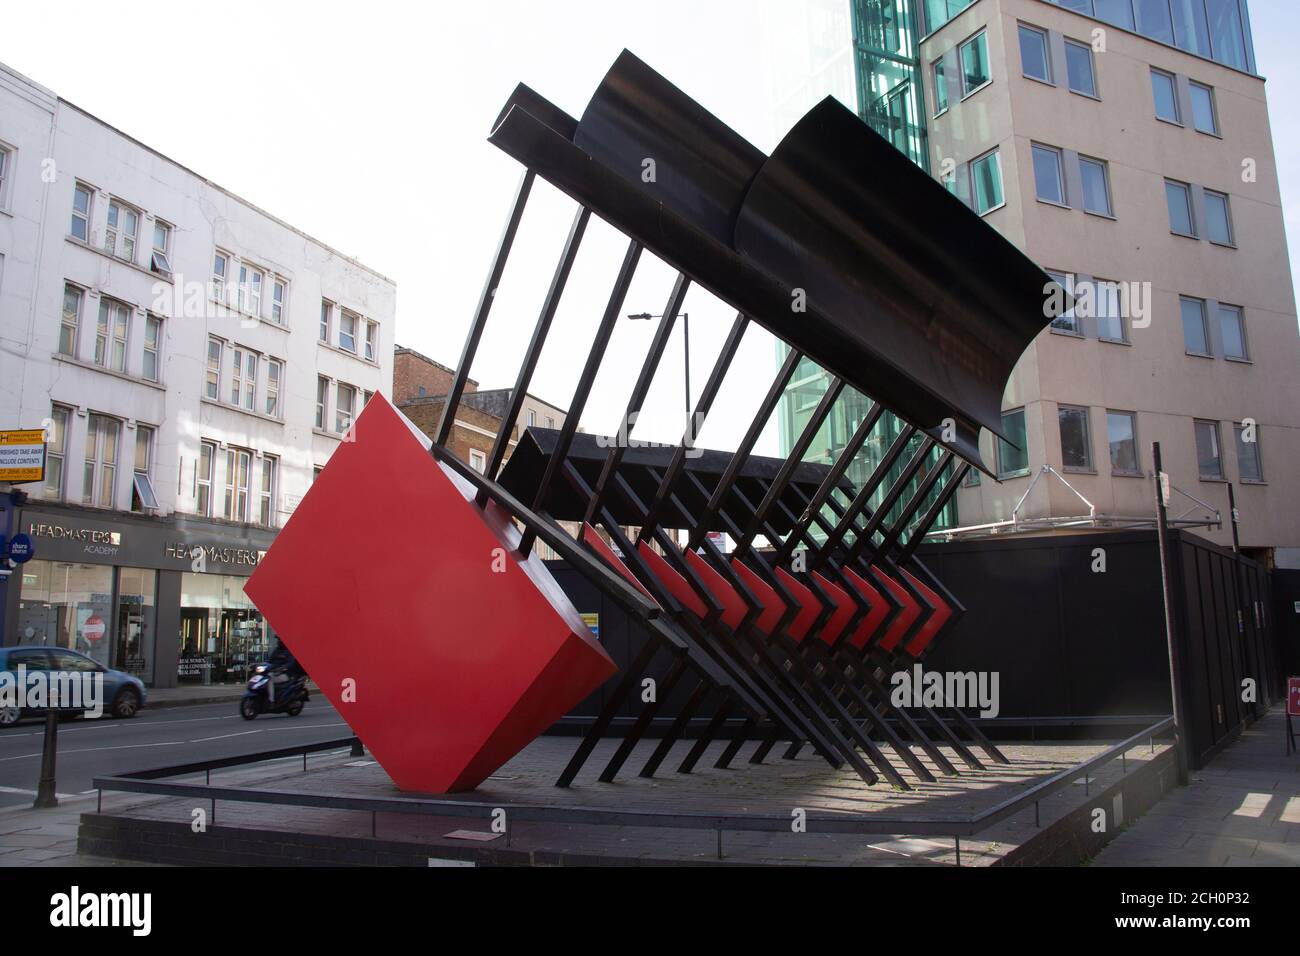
(161, 598)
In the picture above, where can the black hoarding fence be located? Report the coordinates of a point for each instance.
(1073, 625)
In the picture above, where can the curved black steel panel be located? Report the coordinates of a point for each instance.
(702, 167)
(905, 273)
(911, 297)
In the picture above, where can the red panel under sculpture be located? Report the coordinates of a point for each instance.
(390, 580)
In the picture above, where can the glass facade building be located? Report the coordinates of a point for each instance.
(1218, 30)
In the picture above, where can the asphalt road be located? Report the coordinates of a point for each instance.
(90, 748)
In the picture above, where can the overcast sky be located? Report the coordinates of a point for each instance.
(364, 124)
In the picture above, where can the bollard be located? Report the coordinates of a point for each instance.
(45, 796)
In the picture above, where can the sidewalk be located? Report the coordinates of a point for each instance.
(1241, 810)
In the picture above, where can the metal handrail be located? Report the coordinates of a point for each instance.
(148, 781)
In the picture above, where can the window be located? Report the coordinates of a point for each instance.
(986, 179)
(1179, 197)
(1190, 29)
(160, 260)
(142, 493)
(1076, 442)
(1107, 306)
(152, 343)
(1232, 327)
(279, 294)
(1096, 186)
(1209, 461)
(56, 448)
(80, 227)
(1013, 460)
(1226, 33)
(972, 478)
(1118, 12)
(940, 88)
(344, 407)
(1166, 97)
(1035, 61)
(120, 234)
(1218, 218)
(550, 422)
(274, 367)
(71, 322)
(1048, 179)
(372, 341)
(477, 460)
(98, 481)
(1121, 432)
(250, 289)
(974, 57)
(366, 396)
(1153, 20)
(1078, 68)
(326, 311)
(237, 465)
(322, 399)
(220, 270)
(347, 331)
(243, 378)
(1204, 116)
(532, 418)
(1195, 338)
(111, 334)
(203, 478)
(212, 385)
(4, 171)
(1249, 467)
(266, 493)
(1067, 321)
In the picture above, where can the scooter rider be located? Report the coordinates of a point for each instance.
(284, 669)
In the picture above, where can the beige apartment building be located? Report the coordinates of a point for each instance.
(1111, 158)
(1125, 146)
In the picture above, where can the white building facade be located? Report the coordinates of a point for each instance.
(194, 361)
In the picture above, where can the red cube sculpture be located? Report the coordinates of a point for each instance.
(445, 650)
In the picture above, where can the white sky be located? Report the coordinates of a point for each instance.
(364, 124)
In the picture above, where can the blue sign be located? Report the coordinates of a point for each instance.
(21, 548)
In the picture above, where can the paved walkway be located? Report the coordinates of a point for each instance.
(1241, 810)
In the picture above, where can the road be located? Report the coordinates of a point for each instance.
(90, 748)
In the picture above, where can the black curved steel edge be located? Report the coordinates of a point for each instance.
(907, 295)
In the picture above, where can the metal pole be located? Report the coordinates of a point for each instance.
(1171, 641)
(686, 353)
(45, 796)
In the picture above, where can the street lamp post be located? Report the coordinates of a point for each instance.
(686, 351)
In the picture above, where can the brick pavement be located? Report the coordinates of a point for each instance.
(1241, 810)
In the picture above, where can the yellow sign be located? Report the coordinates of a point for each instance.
(592, 620)
(22, 455)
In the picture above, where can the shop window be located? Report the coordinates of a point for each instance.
(69, 605)
(133, 637)
(222, 635)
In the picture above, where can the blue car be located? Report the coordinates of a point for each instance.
(123, 695)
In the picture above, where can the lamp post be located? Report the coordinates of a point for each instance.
(686, 351)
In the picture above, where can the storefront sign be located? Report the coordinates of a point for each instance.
(164, 544)
(22, 455)
(1293, 696)
(21, 549)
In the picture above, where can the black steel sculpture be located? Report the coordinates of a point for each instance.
(857, 261)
